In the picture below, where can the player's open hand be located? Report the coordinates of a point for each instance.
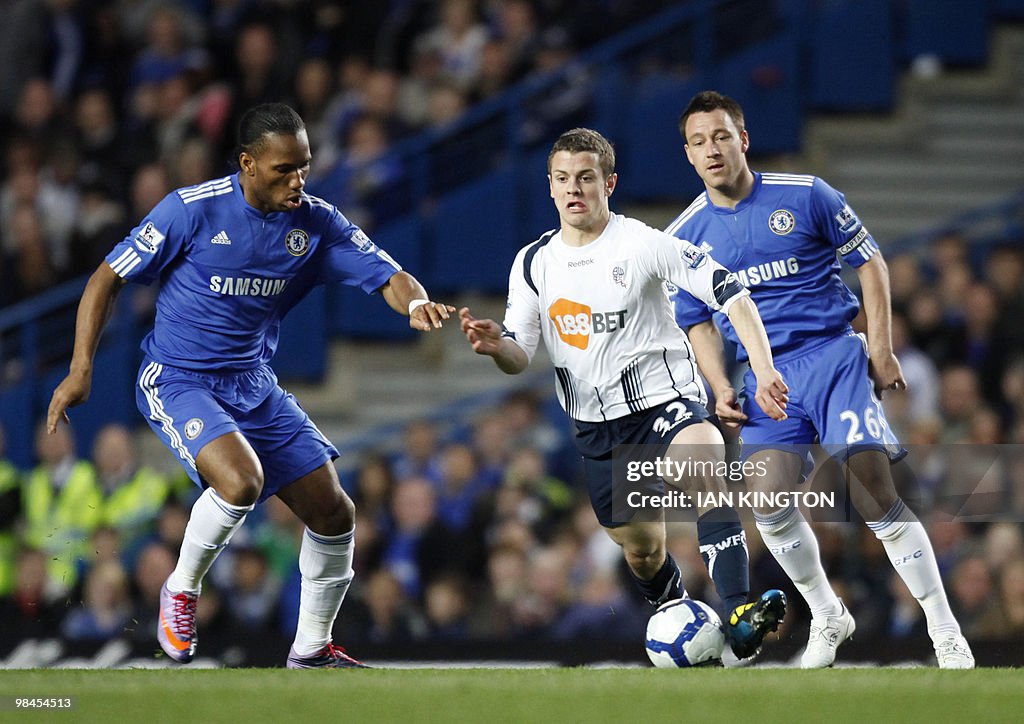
(73, 390)
(772, 394)
(728, 409)
(483, 334)
(430, 315)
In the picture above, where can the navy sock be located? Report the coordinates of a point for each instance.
(666, 585)
(723, 546)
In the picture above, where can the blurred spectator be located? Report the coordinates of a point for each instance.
(36, 604)
(133, 493)
(414, 511)
(602, 610)
(419, 451)
(446, 604)
(392, 617)
(971, 592)
(905, 280)
(516, 26)
(960, 396)
(1007, 618)
(100, 224)
(62, 502)
(547, 595)
(1004, 270)
(922, 391)
(166, 54)
(906, 619)
(253, 593)
(458, 39)
(28, 269)
(506, 578)
(314, 87)
(375, 482)
(106, 606)
(985, 351)
(446, 103)
(153, 565)
(54, 213)
(10, 511)
(931, 332)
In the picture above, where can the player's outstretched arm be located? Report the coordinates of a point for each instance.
(772, 392)
(707, 346)
(93, 312)
(885, 369)
(406, 295)
(484, 336)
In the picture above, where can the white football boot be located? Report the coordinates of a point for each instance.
(953, 652)
(827, 633)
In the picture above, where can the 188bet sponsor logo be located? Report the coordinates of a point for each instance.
(576, 322)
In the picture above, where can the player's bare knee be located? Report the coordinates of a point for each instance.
(338, 519)
(645, 562)
(240, 487)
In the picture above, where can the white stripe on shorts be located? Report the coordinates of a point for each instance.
(158, 414)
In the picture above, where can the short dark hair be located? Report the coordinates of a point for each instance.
(707, 101)
(265, 120)
(584, 140)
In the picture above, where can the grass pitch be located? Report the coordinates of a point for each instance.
(587, 695)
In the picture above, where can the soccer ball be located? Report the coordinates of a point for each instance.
(684, 633)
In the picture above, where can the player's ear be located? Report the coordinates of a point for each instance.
(744, 140)
(551, 186)
(609, 184)
(247, 163)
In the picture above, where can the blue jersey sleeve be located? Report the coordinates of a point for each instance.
(689, 310)
(352, 258)
(840, 225)
(154, 244)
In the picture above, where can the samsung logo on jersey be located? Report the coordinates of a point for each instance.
(247, 286)
(766, 272)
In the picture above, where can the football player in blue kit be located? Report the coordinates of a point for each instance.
(780, 233)
(232, 256)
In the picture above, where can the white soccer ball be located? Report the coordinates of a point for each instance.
(684, 633)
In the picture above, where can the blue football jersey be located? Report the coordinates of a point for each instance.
(228, 273)
(783, 242)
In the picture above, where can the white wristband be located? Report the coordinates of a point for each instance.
(416, 304)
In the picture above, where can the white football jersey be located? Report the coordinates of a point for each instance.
(605, 317)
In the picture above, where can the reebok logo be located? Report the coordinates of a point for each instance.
(221, 238)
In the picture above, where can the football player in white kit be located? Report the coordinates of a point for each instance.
(594, 290)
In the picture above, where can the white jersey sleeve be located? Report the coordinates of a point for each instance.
(681, 263)
(522, 308)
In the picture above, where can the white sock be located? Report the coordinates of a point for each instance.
(210, 526)
(911, 554)
(325, 562)
(791, 541)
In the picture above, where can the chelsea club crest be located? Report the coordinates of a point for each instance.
(297, 242)
(781, 222)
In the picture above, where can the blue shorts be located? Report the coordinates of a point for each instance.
(188, 409)
(596, 441)
(832, 401)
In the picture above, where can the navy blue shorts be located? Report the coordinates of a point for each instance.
(653, 430)
(188, 409)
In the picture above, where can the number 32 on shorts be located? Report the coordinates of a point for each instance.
(680, 414)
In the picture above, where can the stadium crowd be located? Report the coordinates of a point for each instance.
(107, 106)
(483, 532)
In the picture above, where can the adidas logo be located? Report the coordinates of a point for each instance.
(221, 238)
